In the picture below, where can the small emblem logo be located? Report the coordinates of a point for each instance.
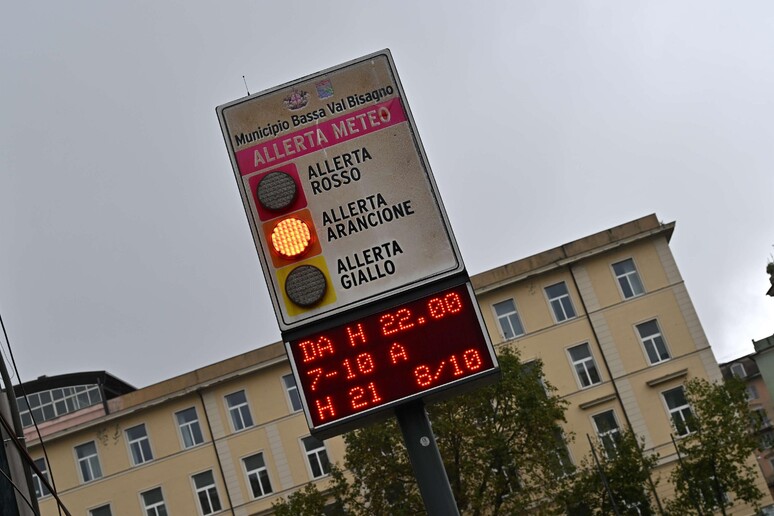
(296, 100)
(324, 89)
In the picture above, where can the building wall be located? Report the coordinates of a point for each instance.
(761, 405)
(277, 434)
(630, 386)
(604, 320)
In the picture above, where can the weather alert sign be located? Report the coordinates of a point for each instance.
(337, 189)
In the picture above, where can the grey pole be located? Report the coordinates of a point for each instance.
(426, 460)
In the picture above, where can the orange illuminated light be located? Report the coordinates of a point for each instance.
(291, 237)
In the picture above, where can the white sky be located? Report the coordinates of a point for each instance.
(123, 241)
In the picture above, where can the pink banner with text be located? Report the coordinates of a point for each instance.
(324, 133)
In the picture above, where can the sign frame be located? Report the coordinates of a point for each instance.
(308, 320)
(439, 392)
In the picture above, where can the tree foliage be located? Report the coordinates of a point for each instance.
(308, 501)
(501, 446)
(714, 469)
(627, 472)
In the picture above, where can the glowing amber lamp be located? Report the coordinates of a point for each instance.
(291, 237)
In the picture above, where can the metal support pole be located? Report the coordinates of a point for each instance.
(603, 477)
(426, 460)
(688, 480)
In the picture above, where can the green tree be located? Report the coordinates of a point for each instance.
(501, 445)
(308, 501)
(714, 469)
(626, 469)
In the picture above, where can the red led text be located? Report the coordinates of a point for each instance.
(312, 350)
(412, 350)
(454, 365)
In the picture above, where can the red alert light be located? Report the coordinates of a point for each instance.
(277, 190)
(291, 237)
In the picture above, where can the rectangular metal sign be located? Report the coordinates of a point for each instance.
(338, 192)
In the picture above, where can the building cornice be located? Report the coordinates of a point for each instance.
(575, 251)
(120, 409)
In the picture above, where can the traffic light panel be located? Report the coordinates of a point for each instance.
(291, 239)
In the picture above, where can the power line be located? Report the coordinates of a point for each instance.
(23, 497)
(22, 449)
(11, 401)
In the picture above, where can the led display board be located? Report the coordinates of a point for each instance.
(414, 349)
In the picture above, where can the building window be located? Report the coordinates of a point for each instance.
(628, 279)
(653, 341)
(207, 493)
(153, 502)
(509, 478)
(528, 369)
(50, 404)
(139, 445)
(608, 431)
(560, 302)
(752, 392)
(88, 461)
(508, 318)
(766, 439)
(239, 410)
(760, 419)
(316, 456)
(292, 389)
(257, 475)
(679, 411)
(562, 453)
(738, 370)
(190, 430)
(103, 510)
(40, 488)
(584, 365)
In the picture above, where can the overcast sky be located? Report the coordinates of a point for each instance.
(123, 241)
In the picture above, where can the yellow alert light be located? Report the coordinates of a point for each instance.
(291, 237)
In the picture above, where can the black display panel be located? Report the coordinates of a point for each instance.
(410, 351)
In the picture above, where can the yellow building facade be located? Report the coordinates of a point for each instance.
(225, 439)
(609, 315)
(611, 319)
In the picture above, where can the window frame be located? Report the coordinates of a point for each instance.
(734, 374)
(37, 483)
(231, 410)
(188, 425)
(53, 403)
(680, 409)
(323, 465)
(140, 442)
(249, 472)
(292, 393)
(563, 453)
(573, 366)
(651, 339)
(751, 391)
(762, 418)
(99, 507)
(611, 436)
(507, 317)
(560, 304)
(146, 507)
(618, 279)
(207, 490)
(79, 461)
